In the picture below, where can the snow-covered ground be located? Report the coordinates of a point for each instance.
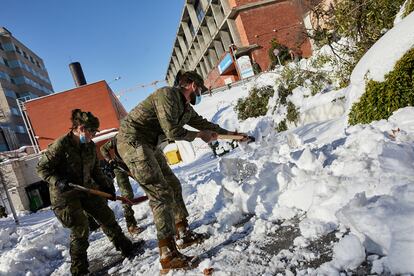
(266, 203)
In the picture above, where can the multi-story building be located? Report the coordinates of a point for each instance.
(22, 76)
(213, 34)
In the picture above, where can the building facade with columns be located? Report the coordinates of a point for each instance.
(214, 34)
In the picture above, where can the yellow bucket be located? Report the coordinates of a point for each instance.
(173, 157)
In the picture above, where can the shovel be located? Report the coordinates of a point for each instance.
(249, 139)
(124, 200)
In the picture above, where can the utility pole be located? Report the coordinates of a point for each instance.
(232, 49)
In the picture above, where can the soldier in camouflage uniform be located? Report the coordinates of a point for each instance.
(72, 159)
(121, 173)
(162, 116)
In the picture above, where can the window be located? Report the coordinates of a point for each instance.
(31, 59)
(18, 80)
(10, 93)
(25, 54)
(15, 111)
(14, 64)
(199, 10)
(191, 27)
(1, 46)
(4, 147)
(18, 50)
(8, 47)
(28, 95)
(38, 64)
(6, 62)
(20, 129)
(4, 76)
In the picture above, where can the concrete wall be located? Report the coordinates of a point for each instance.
(19, 174)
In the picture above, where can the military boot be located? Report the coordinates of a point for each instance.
(135, 230)
(171, 258)
(185, 237)
(124, 245)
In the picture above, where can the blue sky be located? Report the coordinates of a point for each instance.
(128, 38)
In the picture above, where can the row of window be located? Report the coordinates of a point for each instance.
(4, 76)
(18, 64)
(11, 94)
(20, 129)
(12, 47)
(25, 80)
(28, 57)
(17, 128)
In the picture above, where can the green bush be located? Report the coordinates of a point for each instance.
(292, 112)
(409, 8)
(281, 126)
(292, 77)
(284, 55)
(363, 22)
(381, 99)
(255, 104)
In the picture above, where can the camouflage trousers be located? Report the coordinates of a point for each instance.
(72, 214)
(149, 167)
(122, 179)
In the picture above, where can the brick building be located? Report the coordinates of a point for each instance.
(209, 28)
(22, 76)
(50, 115)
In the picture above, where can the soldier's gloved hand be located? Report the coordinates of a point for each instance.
(207, 135)
(109, 189)
(244, 138)
(63, 185)
(113, 164)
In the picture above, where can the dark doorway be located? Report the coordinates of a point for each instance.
(38, 194)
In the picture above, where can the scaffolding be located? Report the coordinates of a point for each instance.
(26, 120)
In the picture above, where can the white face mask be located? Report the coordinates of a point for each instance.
(195, 97)
(198, 99)
(82, 138)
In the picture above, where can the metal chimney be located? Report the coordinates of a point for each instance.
(77, 73)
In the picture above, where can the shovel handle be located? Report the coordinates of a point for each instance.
(239, 137)
(109, 196)
(230, 136)
(91, 191)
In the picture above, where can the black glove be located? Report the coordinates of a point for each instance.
(63, 185)
(113, 164)
(109, 188)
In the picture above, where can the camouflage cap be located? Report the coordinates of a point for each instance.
(86, 119)
(195, 77)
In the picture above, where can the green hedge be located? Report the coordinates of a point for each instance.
(409, 8)
(381, 99)
(255, 104)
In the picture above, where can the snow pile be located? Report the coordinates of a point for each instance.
(37, 249)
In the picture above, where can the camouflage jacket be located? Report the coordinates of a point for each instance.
(108, 147)
(162, 116)
(77, 163)
(106, 153)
